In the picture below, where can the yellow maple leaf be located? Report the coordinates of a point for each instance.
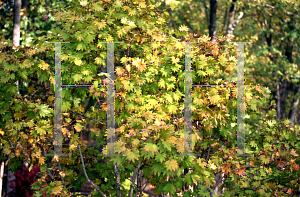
(172, 165)
(57, 189)
(43, 65)
(175, 60)
(183, 28)
(41, 160)
(2, 132)
(142, 4)
(73, 147)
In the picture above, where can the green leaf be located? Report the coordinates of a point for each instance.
(65, 106)
(151, 149)
(44, 110)
(23, 74)
(77, 77)
(79, 47)
(172, 108)
(160, 157)
(169, 188)
(41, 131)
(17, 107)
(132, 155)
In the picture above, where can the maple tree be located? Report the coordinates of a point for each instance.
(149, 101)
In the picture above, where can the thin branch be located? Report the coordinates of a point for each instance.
(133, 178)
(225, 18)
(48, 171)
(86, 176)
(206, 13)
(62, 179)
(186, 22)
(117, 175)
(87, 117)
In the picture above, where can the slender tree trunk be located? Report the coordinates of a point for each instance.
(213, 19)
(281, 95)
(17, 19)
(117, 175)
(294, 108)
(230, 24)
(206, 13)
(231, 21)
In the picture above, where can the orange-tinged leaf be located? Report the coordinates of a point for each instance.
(294, 154)
(290, 191)
(57, 189)
(41, 160)
(1, 132)
(252, 163)
(226, 168)
(281, 164)
(241, 171)
(296, 166)
(214, 144)
(172, 165)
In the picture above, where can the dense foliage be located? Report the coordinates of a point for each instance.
(149, 104)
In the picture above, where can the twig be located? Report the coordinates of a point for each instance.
(59, 174)
(117, 175)
(87, 117)
(86, 176)
(48, 171)
(133, 179)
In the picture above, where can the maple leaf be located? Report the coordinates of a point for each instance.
(151, 149)
(73, 147)
(226, 168)
(296, 166)
(41, 160)
(183, 28)
(40, 131)
(1, 132)
(175, 60)
(172, 165)
(290, 191)
(281, 164)
(78, 127)
(77, 77)
(172, 108)
(57, 189)
(131, 155)
(241, 171)
(43, 65)
(264, 159)
(294, 154)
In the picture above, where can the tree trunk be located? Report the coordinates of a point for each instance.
(281, 95)
(213, 19)
(295, 106)
(232, 22)
(117, 175)
(17, 19)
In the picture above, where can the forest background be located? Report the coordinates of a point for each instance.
(272, 93)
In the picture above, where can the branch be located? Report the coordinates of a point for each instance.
(59, 174)
(186, 22)
(117, 175)
(206, 13)
(87, 117)
(86, 176)
(133, 179)
(48, 171)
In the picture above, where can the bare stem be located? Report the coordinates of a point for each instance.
(86, 176)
